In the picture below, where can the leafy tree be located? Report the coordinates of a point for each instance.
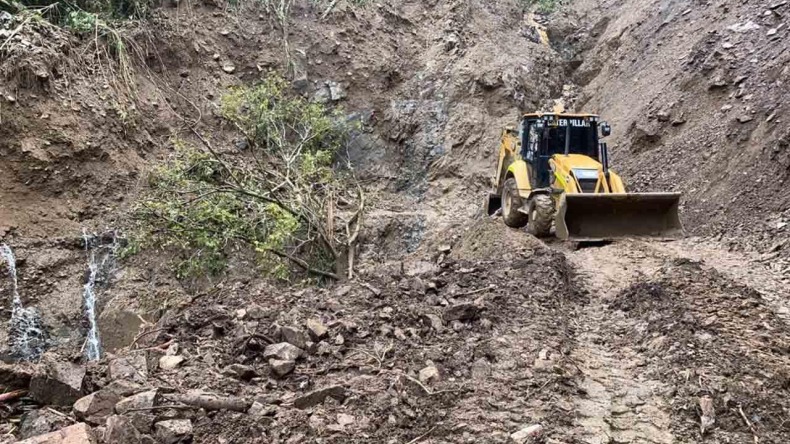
(281, 196)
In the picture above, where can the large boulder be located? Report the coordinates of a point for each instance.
(338, 392)
(120, 430)
(79, 433)
(95, 407)
(173, 431)
(133, 367)
(144, 400)
(39, 422)
(58, 383)
(282, 351)
(119, 328)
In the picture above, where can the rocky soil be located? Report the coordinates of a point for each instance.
(455, 328)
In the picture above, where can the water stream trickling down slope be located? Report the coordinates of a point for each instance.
(27, 338)
(98, 266)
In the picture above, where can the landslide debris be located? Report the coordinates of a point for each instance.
(441, 351)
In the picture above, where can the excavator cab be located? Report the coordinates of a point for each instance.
(544, 138)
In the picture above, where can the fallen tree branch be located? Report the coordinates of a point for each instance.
(10, 396)
(303, 264)
(328, 9)
(421, 437)
(749, 424)
(211, 402)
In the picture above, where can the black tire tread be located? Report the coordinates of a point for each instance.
(514, 218)
(542, 206)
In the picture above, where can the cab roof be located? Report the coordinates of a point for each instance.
(574, 115)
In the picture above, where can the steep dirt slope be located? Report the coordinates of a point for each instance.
(456, 328)
(697, 93)
(76, 151)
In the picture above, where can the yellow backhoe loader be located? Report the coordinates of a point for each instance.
(553, 170)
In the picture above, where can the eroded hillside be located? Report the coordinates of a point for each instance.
(452, 328)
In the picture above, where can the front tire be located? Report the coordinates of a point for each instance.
(511, 203)
(541, 215)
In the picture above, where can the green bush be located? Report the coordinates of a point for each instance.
(270, 200)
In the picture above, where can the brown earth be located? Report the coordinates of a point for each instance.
(456, 329)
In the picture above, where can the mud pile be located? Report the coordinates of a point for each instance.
(709, 337)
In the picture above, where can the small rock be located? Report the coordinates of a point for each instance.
(260, 409)
(338, 392)
(340, 340)
(336, 91)
(144, 400)
(744, 27)
(444, 249)
(772, 31)
(282, 351)
(344, 419)
(430, 375)
(294, 336)
(120, 430)
(316, 329)
(134, 367)
(173, 431)
(464, 311)
(435, 322)
(170, 362)
(342, 291)
(255, 312)
(228, 67)
(745, 118)
(528, 434)
(240, 371)
(282, 367)
(95, 407)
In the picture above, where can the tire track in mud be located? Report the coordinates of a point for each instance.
(618, 402)
(667, 324)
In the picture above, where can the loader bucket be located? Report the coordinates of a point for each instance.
(583, 217)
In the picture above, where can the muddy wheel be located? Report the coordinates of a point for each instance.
(541, 215)
(511, 202)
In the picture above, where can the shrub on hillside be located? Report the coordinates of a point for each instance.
(278, 196)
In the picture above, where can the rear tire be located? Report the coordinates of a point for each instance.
(541, 215)
(511, 203)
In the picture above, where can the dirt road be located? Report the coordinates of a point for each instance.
(667, 324)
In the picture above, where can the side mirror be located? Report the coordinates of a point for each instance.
(606, 129)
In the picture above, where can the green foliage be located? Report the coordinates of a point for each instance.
(542, 6)
(268, 200)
